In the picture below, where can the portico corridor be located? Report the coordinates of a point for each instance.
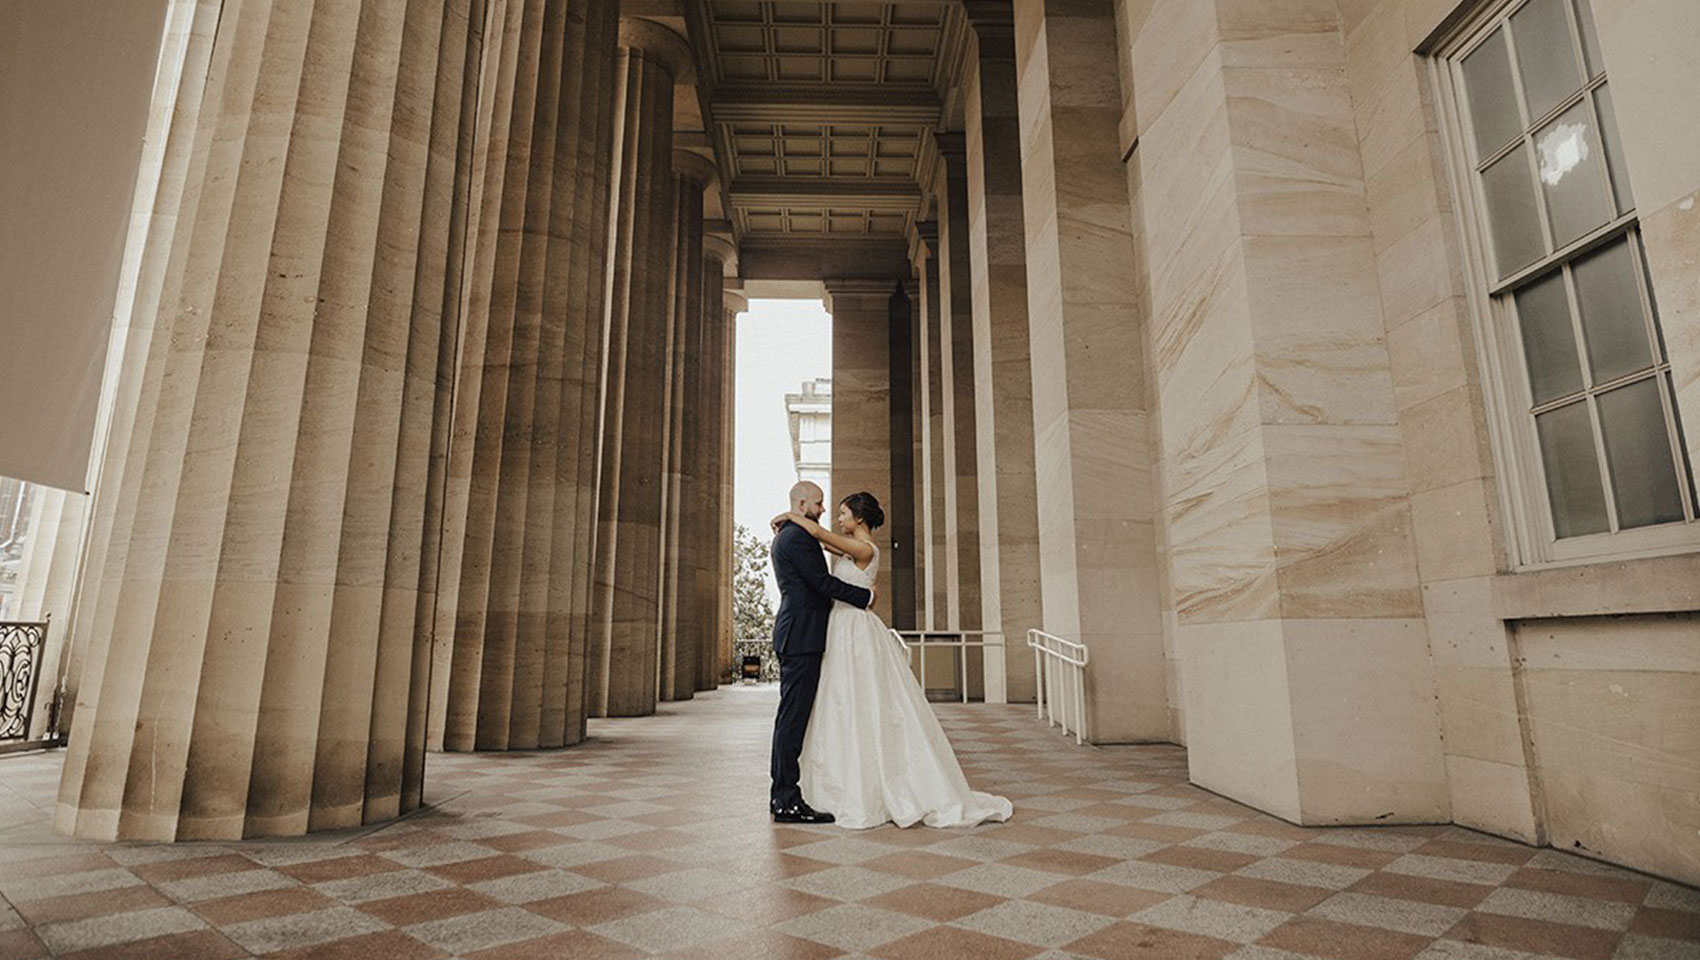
(651, 839)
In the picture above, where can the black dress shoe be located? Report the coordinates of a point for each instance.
(800, 813)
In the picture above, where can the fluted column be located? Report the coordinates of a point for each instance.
(464, 557)
(47, 576)
(683, 629)
(531, 318)
(1003, 418)
(258, 633)
(735, 302)
(713, 507)
(586, 227)
(53, 589)
(165, 164)
(625, 652)
(956, 366)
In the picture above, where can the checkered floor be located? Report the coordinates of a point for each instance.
(653, 840)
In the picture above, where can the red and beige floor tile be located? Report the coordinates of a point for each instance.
(652, 840)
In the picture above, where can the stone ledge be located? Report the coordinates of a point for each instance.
(1651, 585)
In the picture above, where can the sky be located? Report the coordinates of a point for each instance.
(781, 343)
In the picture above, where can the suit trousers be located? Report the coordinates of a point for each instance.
(799, 678)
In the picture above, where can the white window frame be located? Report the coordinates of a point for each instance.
(1530, 539)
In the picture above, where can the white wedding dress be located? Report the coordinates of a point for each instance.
(874, 751)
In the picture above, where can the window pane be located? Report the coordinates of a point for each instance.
(1493, 100)
(1513, 220)
(1573, 175)
(1549, 339)
(1545, 56)
(1643, 476)
(1573, 471)
(1685, 464)
(1590, 39)
(1613, 321)
(1614, 152)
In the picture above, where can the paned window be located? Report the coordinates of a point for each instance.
(1591, 444)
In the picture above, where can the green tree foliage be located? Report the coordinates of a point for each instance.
(752, 613)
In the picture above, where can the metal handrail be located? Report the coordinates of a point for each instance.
(1062, 656)
(938, 638)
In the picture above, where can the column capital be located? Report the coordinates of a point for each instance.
(695, 167)
(735, 300)
(853, 293)
(952, 161)
(657, 42)
(993, 23)
(718, 247)
(924, 242)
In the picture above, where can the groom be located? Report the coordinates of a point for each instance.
(806, 592)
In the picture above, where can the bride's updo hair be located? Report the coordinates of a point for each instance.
(866, 508)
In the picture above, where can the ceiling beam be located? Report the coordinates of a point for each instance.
(811, 258)
(775, 103)
(797, 192)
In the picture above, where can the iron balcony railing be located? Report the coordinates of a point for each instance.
(21, 648)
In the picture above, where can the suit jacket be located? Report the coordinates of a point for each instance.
(806, 592)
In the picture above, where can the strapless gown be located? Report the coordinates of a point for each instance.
(874, 750)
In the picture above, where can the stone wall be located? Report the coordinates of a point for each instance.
(1536, 672)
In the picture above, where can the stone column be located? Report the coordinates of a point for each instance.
(714, 477)
(919, 535)
(735, 303)
(585, 225)
(1299, 633)
(624, 661)
(900, 508)
(47, 578)
(961, 441)
(682, 625)
(475, 444)
(521, 388)
(861, 405)
(956, 371)
(186, 41)
(1008, 495)
(935, 576)
(1096, 501)
(259, 630)
(1304, 659)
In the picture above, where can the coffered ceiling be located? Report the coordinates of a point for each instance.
(793, 42)
(820, 112)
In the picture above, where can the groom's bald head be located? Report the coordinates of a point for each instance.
(806, 499)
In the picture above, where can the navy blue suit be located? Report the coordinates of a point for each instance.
(806, 592)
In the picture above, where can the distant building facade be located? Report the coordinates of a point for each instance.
(809, 415)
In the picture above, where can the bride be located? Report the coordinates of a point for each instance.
(874, 751)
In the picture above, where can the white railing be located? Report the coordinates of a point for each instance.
(1059, 667)
(990, 641)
